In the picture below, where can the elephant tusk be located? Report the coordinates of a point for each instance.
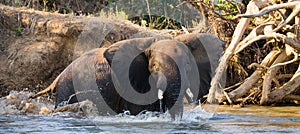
(160, 94)
(189, 93)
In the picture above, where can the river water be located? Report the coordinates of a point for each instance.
(219, 119)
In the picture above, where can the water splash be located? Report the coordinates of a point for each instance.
(17, 103)
(83, 119)
(196, 114)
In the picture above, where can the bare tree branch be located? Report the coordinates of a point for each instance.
(252, 80)
(270, 74)
(215, 89)
(295, 12)
(286, 89)
(288, 62)
(248, 41)
(270, 9)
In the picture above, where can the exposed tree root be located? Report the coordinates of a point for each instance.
(253, 79)
(216, 89)
(293, 98)
(286, 89)
(233, 86)
(272, 73)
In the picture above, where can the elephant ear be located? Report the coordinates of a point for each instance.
(214, 48)
(130, 66)
(206, 49)
(191, 40)
(196, 40)
(127, 48)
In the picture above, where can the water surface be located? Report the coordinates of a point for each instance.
(20, 115)
(251, 119)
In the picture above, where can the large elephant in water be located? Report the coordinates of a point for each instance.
(134, 75)
(206, 50)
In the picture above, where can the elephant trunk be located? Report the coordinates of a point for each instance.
(161, 81)
(174, 97)
(174, 103)
(169, 93)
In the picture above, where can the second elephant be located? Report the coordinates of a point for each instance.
(207, 50)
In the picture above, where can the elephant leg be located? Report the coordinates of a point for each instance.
(64, 90)
(176, 109)
(174, 103)
(65, 94)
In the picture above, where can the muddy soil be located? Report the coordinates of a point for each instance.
(35, 46)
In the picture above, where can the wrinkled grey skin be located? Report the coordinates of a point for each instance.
(163, 65)
(206, 50)
(127, 76)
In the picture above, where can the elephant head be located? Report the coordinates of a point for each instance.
(151, 73)
(206, 49)
(170, 64)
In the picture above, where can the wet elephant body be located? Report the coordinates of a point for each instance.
(141, 74)
(79, 73)
(115, 84)
(152, 70)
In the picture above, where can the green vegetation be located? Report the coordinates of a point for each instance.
(225, 8)
(118, 14)
(156, 22)
(122, 14)
(155, 14)
(17, 3)
(18, 30)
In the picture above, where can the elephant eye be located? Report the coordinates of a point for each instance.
(154, 65)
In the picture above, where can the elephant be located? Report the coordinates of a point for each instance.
(206, 50)
(135, 75)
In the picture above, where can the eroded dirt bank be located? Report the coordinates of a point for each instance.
(35, 46)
